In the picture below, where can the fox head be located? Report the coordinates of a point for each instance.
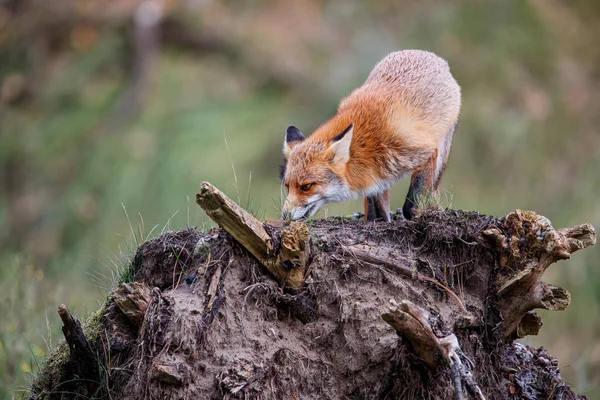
(314, 171)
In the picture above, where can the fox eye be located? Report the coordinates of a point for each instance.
(306, 188)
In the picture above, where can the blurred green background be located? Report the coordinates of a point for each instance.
(112, 113)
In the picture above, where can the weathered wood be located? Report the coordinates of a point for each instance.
(244, 228)
(211, 292)
(81, 352)
(424, 342)
(412, 322)
(293, 256)
(132, 300)
(287, 264)
(528, 245)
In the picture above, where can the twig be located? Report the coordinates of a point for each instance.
(554, 387)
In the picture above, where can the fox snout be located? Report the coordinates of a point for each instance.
(293, 211)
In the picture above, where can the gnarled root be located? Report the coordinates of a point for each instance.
(528, 245)
(412, 322)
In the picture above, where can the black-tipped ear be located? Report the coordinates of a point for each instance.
(293, 134)
(340, 146)
(341, 135)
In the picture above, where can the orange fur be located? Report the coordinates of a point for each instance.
(403, 116)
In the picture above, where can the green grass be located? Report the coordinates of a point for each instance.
(31, 327)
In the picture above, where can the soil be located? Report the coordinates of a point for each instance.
(218, 326)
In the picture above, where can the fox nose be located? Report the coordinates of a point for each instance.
(288, 210)
(288, 207)
(285, 213)
(291, 211)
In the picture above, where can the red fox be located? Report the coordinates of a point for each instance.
(399, 123)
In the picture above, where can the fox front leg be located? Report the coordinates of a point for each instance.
(377, 207)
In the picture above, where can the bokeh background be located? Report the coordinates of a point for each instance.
(112, 113)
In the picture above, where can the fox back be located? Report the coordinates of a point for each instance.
(398, 123)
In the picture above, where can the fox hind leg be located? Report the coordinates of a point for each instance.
(427, 180)
(421, 183)
(378, 207)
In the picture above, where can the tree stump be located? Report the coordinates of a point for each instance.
(336, 309)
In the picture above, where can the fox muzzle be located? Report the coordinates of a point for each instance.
(297, 212)
(293, 212)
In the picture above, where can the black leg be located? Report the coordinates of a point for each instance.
(377, 208)
(416, 189)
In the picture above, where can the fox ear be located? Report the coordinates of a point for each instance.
(293, 136)
(341, 146)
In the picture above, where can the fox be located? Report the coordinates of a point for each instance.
(399, 123)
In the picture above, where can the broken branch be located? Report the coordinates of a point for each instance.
(412, 322)
(81, 352)
(287, 264)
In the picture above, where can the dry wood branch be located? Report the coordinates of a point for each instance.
(244, 228)
(364, 253)
(412, 322)
(288, 265)
(528, 245)
(81, 352)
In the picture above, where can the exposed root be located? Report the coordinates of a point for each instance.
(211, 293)
(214, 326)
(528, 245)
(412, 322)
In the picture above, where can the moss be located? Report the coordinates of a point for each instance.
(53, 370)
(57, 366)
(93, 327)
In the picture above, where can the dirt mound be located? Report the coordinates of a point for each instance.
(213, 324)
